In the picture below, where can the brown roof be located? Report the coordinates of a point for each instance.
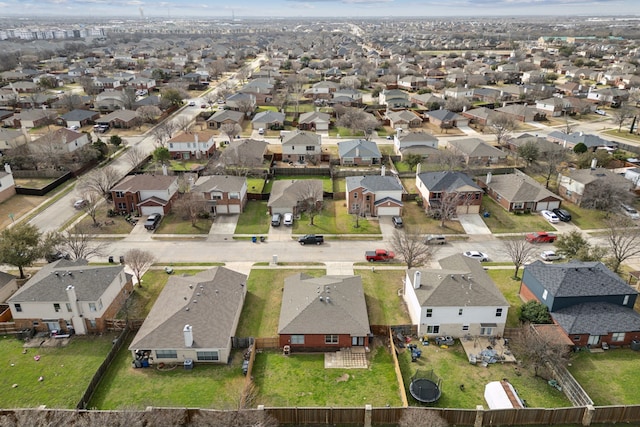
(145, 182)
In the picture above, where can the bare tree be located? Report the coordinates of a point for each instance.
(134, 156)
(623, 237)
(242, 75)
(447, 159)
(551, 164)
(519, 250)
(70, 102)
(148, 113)
(310, 198)
(92, 200)
(129, 98)
(190, 206)
(99, 181)
(621, 115)
(358, 120)
(446, 208)
(138, 261)
(246, 105)
(81, 243)
(604, 195)
(231, 130)
(295, 84)
(411, 247)
(537, 350)
(217, 68)
(164, 131)
(182, 123)
(423, 417)
(502, 126)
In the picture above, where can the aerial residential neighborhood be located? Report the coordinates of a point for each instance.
(309, 221)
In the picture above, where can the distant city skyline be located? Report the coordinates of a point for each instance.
(317, 8)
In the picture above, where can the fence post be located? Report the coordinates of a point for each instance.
(367, 415)
(589, 410)
(479, 416)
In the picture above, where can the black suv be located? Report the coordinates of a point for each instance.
(152, 221)
(397, 222)
(562, 214)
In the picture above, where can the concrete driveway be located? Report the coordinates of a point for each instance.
(223, 227)
(279, 233)
(473, 224)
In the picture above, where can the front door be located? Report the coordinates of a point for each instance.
(357, 341)
(593, 340)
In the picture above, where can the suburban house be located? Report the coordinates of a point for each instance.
(314, 121)
(301, 146)
(7, 184)
(243, 102)
(421, 143)
(521, 113)
(223, 194)
(376, 195)
(590, 302)
(121, 119)
(193, 319)
(323, 313)
(71, 297)
(608, 96)
(59, 141)
(223, 117)
(267, 120)
(480, 116)
(545, 147)
(403, 119)
(8, 286)
(412, 82)
(287, 195)
(145, 194)
(517, 192)
(458, 299)
(592, 142)
(477, 152)
(436, 187)
(192, 145)
(109, 101)
(578, 186)
(359, 152)
(322, 90)
(78, 118)
(30, 119)
(446, 119)
(244, 153)
(394, 98)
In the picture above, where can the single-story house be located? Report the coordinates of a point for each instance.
(477, 152)
(121, 119)
(267, 120)
(78, 118)
(287, 195)
(314, 121)
(60, 141)
(517, 192)
(446, 119)
(359, 152)
(223, 117)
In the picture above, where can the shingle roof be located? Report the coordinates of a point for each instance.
(475, 147)
(144, 182)
(448, 181)
(223, 183)
(373, 183)
(208, 301)
(358, 148)
(78, 115)
(222, 115)
(285, 193)
(269, 117)
(314, 116)
(301, 138)
(519, 188)
(586, 176)
(598, 318)
(303, 312)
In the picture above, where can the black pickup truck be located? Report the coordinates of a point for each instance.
(311, 239)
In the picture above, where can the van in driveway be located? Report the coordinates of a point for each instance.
(435, 239)
(276, 219)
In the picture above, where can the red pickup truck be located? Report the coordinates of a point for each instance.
(379, 255)
(541, 237)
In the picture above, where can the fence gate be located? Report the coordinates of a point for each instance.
(237, 342)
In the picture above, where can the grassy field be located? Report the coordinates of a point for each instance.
(302, 380)
(254, 218)
(261, 310)
(501, 221)
(174, 224)
(66, 371)
(327, 183)
(503, 278)
(334, 219)
(384, 305)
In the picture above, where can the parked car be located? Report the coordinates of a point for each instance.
(192, 103)
(480, 256)
(541, 237)
(562, 214)
(74, 127)
(80, 203)
(435, 239)
(601, 112)
(550, 216)
(152, 221)
(311, 239)
(379, 255)
(397, 222)
(629, 211)
(288, 219)
(550, 255)
(276, 219)
(54, 256)
(261, 131)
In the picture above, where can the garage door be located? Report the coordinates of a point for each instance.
(281, 211)
(148, 210)
(234, 209)
(221, 209)
(388, 210)
(541, 206)
(553, 205)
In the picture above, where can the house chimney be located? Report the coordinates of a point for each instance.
(76, 315)
(195, 135)
(7, 168)
(164, 170)
(488, 180)
(357, 152)
(383, 170)
(594, 163)
(188, 335)
(416, 280)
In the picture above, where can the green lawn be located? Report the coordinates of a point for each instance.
(501, 221)
(609, 378)
(174, 224)
(66, 371)
(186, 165)
(585, 219)
(206, 386)
(327, 183)
(254, 219)
(108, 225)
(302, 380)
(255, 185)
(384, 305)
(503, 278)
(261, 310)
(414, 217)
(339, 185)
(334, 219)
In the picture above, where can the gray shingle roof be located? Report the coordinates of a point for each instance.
(303, 312)
(519, 188)
(219, 293)
(223, 183)
(268, 117)
(373, 183)
(599, 318)
(144, 182)
(475, 147)
(358, 148)
(301, 138)
(222, 115)
(285, 193)
(448, 181)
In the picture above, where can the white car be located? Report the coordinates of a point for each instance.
(480, 256)
(550, 216)
(79, 204)
(288, 219)
(630, 211)
(550, 256)
(192, 103)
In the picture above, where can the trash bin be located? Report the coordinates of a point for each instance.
(635, 345)
(486, 214)
(121, 259)
(188, 364)
(111, 259)
(254, 239)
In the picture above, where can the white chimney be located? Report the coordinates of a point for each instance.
(383, 170)
(164, 170)
(7, 168)
(418, 169)
(416, 280)
(188, 335)
(357, 152)
(594, 163)
(488, 178)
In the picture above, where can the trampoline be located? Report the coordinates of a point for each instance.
(425, 388)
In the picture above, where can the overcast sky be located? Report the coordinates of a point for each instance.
(318, 8)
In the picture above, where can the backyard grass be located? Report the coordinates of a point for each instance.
(609, 378)
(261, 309)
(302, 380)
(339, 185)
(503, 278)
(66, 371)
(186, 165)
(206, 386)
(327, 183)
(501, 221)
(334, 219)
(255, 185)
(33, 182)
(384, 305)
(175, 224)
(254, 219)
(451, 365)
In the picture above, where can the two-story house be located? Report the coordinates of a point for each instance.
(145, 194)
(436, 187)
(376, 195)
(301, 147)
(189, 145)
(223, 194)
(421, 143)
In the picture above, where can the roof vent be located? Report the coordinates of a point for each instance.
(321, 299)
(190, 286)
(328, 300)
(186, 309)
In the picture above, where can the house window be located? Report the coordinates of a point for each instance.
(18, 307)
(122, 206)
(518, 205)
(498, 312)
(92, 323)
(167, 354)
(460, 312)
(309, 148)
(297, 339)
(171, 145)
(234, 196)
(625, 301)
(207, 355)
(100, 304)
(367, 198)
(617, 336)
(119, 193)
(216, 196)
(56, 307)
(545, 294)
(429, 312)
(355, 195)
(92, 306)
(576, 338)
(465, 327)
(69, 307)
(331, 339)
(433, 329)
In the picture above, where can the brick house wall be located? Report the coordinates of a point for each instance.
(317, 342)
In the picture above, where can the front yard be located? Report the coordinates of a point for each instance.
(173, 223)
(414, 217)
(254, 219)
(501, 221)
(334, 219)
